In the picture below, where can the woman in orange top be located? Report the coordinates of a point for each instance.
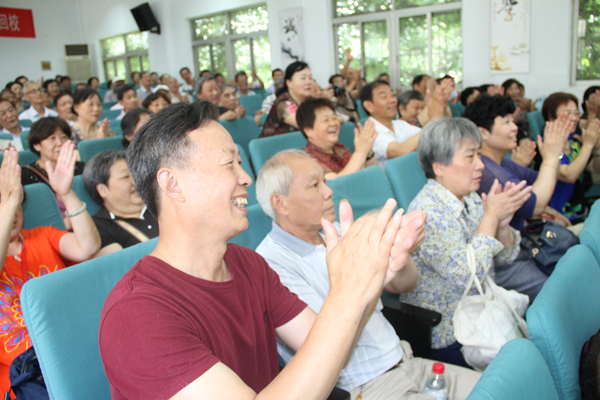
(29, 253)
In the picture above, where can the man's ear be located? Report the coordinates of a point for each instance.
(279, 204)
(102, 190)
(485, 133)
(168, 181)
(368, 105)
(439, 169)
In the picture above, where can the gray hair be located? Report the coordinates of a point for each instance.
(97, 171)
(440, 139)
(406, 96)
(28, 83)
(224, 86)
(275, 176)
(201, 80)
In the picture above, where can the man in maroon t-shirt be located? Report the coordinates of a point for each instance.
(197, 318)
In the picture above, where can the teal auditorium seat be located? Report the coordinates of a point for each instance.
(24, 141)
(347, 135)
(242, 130)
(564, 315)
(366, 190)
(361, 110)
(104, 85)
(407, 178)
(248, 168)
(79, 189)
(259, 225)
(6, 136)
(91, 147)
(106, 105)
(25, 123)
(62, 314)
(110, 114)
(115, 125)
(457, 109)
(251, 103)
(590, 234)
(260, 92)
(25, 157)
(40, 207)
(263, 118)
(518, 372)
(536, 122)
(264, 148)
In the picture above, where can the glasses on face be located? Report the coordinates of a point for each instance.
(574, 113)
(33, 91)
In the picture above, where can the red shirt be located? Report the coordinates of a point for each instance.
(40, 256)
(330, 162)
(161, 328)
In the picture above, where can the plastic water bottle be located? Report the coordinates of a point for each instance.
(436, 383)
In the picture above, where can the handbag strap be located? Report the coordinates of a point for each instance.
(472, 264)
(136, 233)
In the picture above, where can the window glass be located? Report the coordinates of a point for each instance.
(376, 49)
(413, 48)
(120, 66)
(588, 40)
(219, 58)
(203, 54)
(250, 20)
(137, 41)
(344, 8)
(145, 63)
(210, 27)
(241, 49)
(446, 43)
(262, 58)
(417, 3)
(113, 47)
(134, 64)
(349, 38)
(109, 70)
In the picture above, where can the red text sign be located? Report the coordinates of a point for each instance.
(16, 22)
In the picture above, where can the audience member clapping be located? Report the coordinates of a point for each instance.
(17, 89)
(207, 89)
(88, 107)
(52, 89)
(241, 82)
(33, 94)
(132, 122)
(468, 95)
(448, 152)
(230, 100)
(410, 105)
(297, 87)
(420, 83)
(188, 80)
(63, 105)
(9, 122)
(156, 102)
(318, 122)
(30, 253)
(123, 219)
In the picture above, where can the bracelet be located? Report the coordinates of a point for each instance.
(76, 213)
(371, 155)
(549, 166)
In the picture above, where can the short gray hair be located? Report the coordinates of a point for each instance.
(440, 139)
(201, 80)
(28, 83)
(97, 171)
(407, 95)
(275, 176)
(224, 86)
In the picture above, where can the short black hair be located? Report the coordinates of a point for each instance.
(82, 95)
(130, 120)
(586, 95)
(275, 70)
(306, 113)
(218, 74)
(509, 82)
(65, 77)
(121, 90)
(464, 95)
(204, 71)
(484, 110)
(153, 96)
(47, 83)
(332, 77)
(89, 81)
(291, 69)
(135, 72)
(60, 95)
(184, 69)
(366, 93)
(164, 141)
(97, 171)
(483, 88)
(44, 128)
(241, 73)
(554, 101)
(417, 79)
(589, 369)
(383, 74)
(21, 77)
(10, 84)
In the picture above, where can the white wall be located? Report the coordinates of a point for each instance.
(56, 24)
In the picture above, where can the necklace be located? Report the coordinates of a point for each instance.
(16, 256)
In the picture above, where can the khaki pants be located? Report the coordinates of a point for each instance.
(408, 380)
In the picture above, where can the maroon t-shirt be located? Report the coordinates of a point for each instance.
(161, 328)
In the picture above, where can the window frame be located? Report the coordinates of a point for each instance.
(125, 57)
(228, 39)
(392, 18)
(574, 44)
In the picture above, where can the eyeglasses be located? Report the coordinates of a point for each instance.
(34, 91)
(574, 113)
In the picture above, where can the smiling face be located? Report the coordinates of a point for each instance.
(119, 194)
(384, 103)
(463, 175)
(89, 110)
(53, 89)
(17, 89)
(503, 137)
(146, 79)
(63, 107)
(33, 94)
(157, 105)
(50, 147)
(229, 99)
(326, 129)
(9, 117)
(301, 84)
(571, 109)
(412, 109)
(130, 100)
(210, 91)
(514, 91)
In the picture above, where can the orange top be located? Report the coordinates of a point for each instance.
(40, 256)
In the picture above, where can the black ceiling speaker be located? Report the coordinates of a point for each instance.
(144, 17)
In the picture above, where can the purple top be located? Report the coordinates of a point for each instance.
(509, 171)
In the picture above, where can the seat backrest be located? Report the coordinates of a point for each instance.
(62, 314)
(347, 135)
(518, 372)
(89, 148)
(590, 234)
(115, 125)
(242, 130)
(361, 110)
(536, 123)
(110, 114)
(251, 103)
(457, 109)
(25, 157)
(106, 105)
(259, 225)
(407, 178)
(24, 141)
(25, 123)
(264, 148)
(79, 189)
(248, 168)
(564, 315)
(40, 207)
(366, 190)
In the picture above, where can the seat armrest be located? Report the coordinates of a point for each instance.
(421, 315)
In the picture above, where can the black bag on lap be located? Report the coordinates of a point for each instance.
(547, 242)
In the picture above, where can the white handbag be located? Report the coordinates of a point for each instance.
(485, 322)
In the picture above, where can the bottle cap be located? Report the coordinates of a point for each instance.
(438, 368)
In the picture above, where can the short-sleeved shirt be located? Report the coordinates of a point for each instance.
(330, 162)
(32, 115)
(40, 256)
(563, 190)
(162, 328)
(274, 124)
(509, 170)
(16, 140)
(401, 133)
(111, 232)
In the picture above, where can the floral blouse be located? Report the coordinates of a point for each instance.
(442, 258)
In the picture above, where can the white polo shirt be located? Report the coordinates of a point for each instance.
(143, 93)
(16, 140)
(402, 132)
(33, 115)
